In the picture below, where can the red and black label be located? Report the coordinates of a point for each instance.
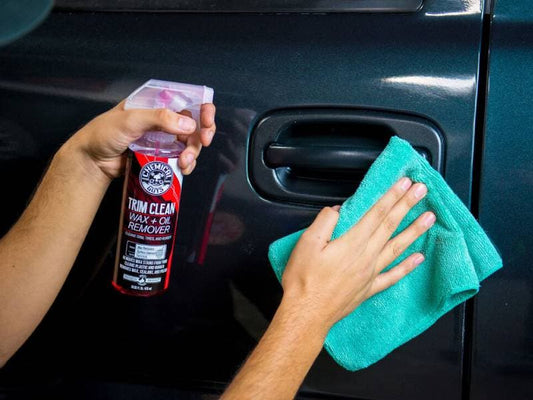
(147, 224)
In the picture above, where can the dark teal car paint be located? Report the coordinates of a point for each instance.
(502, 364)
(424, 64)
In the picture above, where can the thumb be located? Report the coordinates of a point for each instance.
(322, 227)
(139, 121)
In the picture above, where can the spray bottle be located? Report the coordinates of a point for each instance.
(152, 192)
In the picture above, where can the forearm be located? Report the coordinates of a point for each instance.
(279, 363)
(37, 253)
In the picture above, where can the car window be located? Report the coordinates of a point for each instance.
(244, 5)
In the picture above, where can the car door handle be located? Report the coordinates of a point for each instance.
(319, 156)
(323, 157)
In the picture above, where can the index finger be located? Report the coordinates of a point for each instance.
(207, 123)
(207, 115)
(138, 121)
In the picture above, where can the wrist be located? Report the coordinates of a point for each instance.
(306, 315)
(75, 161)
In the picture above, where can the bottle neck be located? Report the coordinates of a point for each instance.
(158, 144)
(160, 137)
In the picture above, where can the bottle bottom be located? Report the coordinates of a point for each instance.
(137, 293)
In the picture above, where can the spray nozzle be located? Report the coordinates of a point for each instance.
(175, 96)
(172, 95)
(174, 101)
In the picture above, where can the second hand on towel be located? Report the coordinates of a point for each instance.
(458, 256)
(325, 280)
(370, 251)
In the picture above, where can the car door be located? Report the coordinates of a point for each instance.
(502, 363)
(295, 82)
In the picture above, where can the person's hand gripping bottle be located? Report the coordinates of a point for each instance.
(152, 191)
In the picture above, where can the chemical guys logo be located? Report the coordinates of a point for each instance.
(156, 177)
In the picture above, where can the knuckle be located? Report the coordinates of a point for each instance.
(129, 120)
(366, 274)
(381, 210)
(196, 148)
(390, 224)
(165, 117)
(397, 250)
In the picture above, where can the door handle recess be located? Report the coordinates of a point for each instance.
(323, 157)
(319, 156)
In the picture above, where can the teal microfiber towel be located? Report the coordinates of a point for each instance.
(458, 255)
